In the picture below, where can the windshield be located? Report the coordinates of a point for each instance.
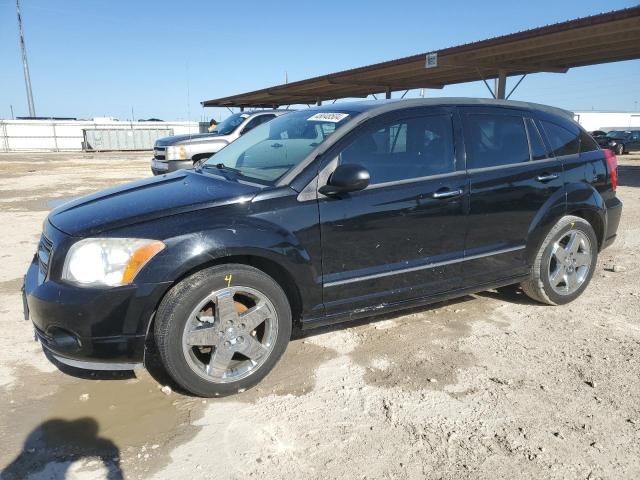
(616, 134)
(229, 124)
(270, 150)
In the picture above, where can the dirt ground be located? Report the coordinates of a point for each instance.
(487, 386)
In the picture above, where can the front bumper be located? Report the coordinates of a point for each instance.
(160, 167)
(94, 328)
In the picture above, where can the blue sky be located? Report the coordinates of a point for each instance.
(102, 58)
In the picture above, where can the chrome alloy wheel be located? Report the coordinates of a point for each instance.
(570, 262)
(230, 334)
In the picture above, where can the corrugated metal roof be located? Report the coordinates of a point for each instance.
(607, 37)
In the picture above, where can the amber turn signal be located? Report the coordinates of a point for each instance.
(139, 259)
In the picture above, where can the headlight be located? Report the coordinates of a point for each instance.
(177, 152)
(108, 261)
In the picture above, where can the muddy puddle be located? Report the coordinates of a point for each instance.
(293, 375)
(123, 421)
(129, 412)
(117, 420)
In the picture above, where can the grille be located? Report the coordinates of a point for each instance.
(44, 254)
(159, 153)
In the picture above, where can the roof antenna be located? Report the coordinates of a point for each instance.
(286, 77)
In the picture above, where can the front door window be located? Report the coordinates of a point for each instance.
(404, 149)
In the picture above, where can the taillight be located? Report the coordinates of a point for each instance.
(612, 165)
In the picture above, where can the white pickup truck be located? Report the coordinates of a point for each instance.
(183, 151)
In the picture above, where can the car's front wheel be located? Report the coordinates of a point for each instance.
(564, 262)
(223, 329)
(619, 149)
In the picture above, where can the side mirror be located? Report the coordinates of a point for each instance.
(346, 178)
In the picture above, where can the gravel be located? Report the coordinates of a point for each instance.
(523, 390)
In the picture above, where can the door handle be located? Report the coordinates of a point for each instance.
(547, 177)
(276, 145)
(440, 194)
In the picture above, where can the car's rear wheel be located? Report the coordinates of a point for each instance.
(564, 262)
(222, 329)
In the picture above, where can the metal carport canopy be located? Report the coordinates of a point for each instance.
(607, 37)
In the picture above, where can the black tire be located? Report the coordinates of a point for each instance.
(538, 286)
(619, 149)
(177, 305)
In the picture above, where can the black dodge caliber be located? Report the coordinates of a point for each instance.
(316, 217)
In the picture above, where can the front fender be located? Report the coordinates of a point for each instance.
(207, 237)
(188, 252)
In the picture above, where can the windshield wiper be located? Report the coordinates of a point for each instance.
(224, 170)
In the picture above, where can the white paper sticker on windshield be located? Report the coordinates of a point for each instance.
(328, 117)
(244, 115)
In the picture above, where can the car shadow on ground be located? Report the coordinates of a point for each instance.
(154, 366)
(299, 334)
(510, 294)
(629, 175)
(54, 445)
(153, 363)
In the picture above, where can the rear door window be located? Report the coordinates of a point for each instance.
(563, 141)
(494, 140)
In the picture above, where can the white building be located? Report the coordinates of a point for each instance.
(68, 135)
(606, 121)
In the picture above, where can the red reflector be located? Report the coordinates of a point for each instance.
(612, 165)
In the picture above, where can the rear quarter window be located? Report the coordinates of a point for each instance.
(587, 143)
(563, 142)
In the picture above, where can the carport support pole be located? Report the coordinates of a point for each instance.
(387, 93)
(319, 102)
(501, 84)
(242, 109)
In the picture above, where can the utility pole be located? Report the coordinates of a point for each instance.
(25, 64)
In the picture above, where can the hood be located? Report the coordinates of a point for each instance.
(144, 200)
(176, 139)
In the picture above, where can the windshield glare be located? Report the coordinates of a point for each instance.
(229, 124)
(270, 150)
